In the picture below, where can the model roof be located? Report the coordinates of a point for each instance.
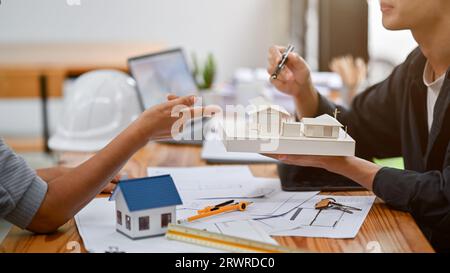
(262, 104)
(324, 120)
(148, 192)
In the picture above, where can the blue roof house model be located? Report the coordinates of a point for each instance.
(145, 206)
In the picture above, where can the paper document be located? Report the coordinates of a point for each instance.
(307, 221)
(217, 182)
(274, 205)
(96, 224)
(213, 150)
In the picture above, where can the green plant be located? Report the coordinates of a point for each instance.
(204, 76)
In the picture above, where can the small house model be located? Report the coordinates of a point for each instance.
(145, 206)
(266, 117)
(324, 126)
(291, 129)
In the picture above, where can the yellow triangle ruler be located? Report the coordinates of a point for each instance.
(221, 241)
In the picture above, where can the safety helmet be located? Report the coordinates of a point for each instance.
(102, 103)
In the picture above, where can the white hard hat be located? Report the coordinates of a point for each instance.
(102, 103)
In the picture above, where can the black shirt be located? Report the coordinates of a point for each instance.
(390, 120)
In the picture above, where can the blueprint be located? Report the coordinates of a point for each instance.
(307, 221)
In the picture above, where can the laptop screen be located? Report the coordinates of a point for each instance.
(159, 74)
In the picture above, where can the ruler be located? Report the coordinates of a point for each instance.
(221, 241)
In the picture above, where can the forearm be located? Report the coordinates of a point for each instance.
(48, 174)
(359, 170)
(68, 193)
(306, 101)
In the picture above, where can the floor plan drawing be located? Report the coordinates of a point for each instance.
(304, 220)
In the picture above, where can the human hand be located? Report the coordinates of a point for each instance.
(324, 162)
(357, 169)
(295, 78)
(352, 71)
(165, 120)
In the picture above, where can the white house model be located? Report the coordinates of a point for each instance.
(324, 126)
(145, 206)
(270, 129)
(267, 118)
(274, 121)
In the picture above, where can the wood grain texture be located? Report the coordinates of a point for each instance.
(385, 229)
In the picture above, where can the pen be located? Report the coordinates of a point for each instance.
(216, 207)
(227, 208)
(282, 63)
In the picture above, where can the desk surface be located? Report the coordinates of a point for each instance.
(393, 230)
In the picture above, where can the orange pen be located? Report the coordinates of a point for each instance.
(206, 212)
(215, 207)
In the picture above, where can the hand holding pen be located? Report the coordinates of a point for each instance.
(293, 78)
(282, 63)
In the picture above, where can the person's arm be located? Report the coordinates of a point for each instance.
(372, 117)
(359, 170)
(425, 195)
(49, 174)
(70, 192)
(294, 80)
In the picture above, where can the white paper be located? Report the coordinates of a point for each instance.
(96, 225)
(215, 182)
(213, 150)
(306, 221)
(273, 205)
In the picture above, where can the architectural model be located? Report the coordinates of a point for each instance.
(270, 129)
(145, 206)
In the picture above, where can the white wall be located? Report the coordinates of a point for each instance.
(238, 32)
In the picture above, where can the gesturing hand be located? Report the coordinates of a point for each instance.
(164, 120)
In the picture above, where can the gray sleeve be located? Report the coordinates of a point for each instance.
(21, 190)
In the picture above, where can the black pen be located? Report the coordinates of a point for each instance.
(284, 57)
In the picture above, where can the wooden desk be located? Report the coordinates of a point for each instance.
(39, 70)
(395, 231)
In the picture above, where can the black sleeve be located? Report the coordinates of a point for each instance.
(425, 195)
(373, 118)
(372, 121)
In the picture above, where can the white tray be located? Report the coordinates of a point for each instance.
(234, 141)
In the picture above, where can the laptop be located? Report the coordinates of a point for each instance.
(162, 73)
(296, 178)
